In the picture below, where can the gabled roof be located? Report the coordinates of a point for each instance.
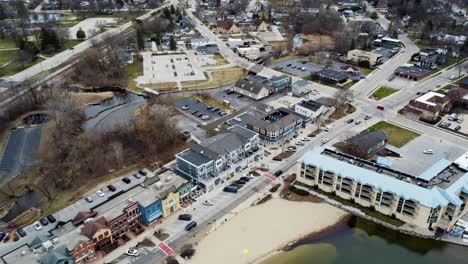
(251, 86)
(56, 256)
(368, 140)
(224, 24)
(90, 229)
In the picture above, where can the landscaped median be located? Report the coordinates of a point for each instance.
(383, 92)
(397, 136)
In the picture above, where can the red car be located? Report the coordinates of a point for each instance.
(380, 107)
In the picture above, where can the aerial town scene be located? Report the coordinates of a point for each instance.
(233, 131)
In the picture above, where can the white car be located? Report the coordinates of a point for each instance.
(100, 193)
(428, 151)
(325, 140)
(208, 202)
(37, 226)
(132, 252)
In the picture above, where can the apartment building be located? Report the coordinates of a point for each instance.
(423, 200)
(219, 157)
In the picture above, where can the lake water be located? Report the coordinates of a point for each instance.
(362, 242)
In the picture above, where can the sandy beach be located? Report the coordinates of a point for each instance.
(261, 230)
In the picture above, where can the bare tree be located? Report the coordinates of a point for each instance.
(342, 98)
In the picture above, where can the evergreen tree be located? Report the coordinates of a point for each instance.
(140, 39)
(80, 34)
(50, 41)
(172, 43)
(172, 9)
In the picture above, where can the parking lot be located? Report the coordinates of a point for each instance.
(458, 124)
(199, 110)
(244, 118)
(386, 53)
(414, 161)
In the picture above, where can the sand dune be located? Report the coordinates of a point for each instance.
(258, 231)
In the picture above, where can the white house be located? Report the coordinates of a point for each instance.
(310, 109)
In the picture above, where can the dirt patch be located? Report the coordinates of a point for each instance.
(91, 98)
(316, 41)
(25, 218)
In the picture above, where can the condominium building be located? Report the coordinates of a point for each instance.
(432, 199)
(219, 157)
(276, 125)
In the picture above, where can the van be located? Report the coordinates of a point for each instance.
(190, 226)
(230, 188)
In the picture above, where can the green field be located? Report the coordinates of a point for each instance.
(15, 67)
(6, 56)
(397, 136)
(7, 44)
(383, 92)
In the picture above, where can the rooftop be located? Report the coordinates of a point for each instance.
(388, 180)
(332, 74)
(169, 180)
(412, 70)
(311, 105)
(432, 98)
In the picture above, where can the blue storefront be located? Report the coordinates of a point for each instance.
(151, 211)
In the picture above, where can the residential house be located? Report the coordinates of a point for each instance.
(253, 25)
(219, 157)
(430, 105)
(58, 255)
(301, 87)
(99, 232)
(368, 143)
(275, 125)
(357, 56)
(310, 108)
(226, 27)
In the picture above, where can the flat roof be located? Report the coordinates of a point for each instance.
(434, 170)
(432, 198)
(425, 98)
(462, 161)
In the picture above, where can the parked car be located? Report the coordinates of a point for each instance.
(89, 199)
(100, 193)
(205, 117)
(358, 122)
(291, 149)
(459, 120)
(37, 226)
(143, 172)
(185, 107)
(111, 188)
(21, 232)
(230, 188)
(51, 218)
(300, 143)
(209, 107)
(132, 252)
(2, 236)
(277, 159)
(194, 112)
(278, 173)
(126, 180)
(190, 226)
(208, 202)
(241, 182)
(43, 221)
(325, 140)
(380, 107)
(349, 121)
(185, 217)
(457, 128)
(367, 117)
(428, 151)
(245, 178)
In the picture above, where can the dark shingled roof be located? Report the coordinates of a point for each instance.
(368, 140)
(251, 86)
(90, 229)
(311, 105)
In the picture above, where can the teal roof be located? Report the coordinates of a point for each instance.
(434, 170)
(432, 198)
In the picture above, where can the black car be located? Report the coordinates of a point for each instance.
(190, 226)
(51, 218)
(195, 112)
(44, 221)
(2, 236)
(111, 188)
(142, 172)
(241, 182)
(21, 232)
(126, 180)
(458, 128)
(185, 217)
(278, 173)
(245, 178)
(277, 159)
(349, 121)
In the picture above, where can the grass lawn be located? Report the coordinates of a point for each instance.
(7, 43)
(6, 56)
(219, 78)
(397, 136)
(365, 71)
(71, 43)
(134, 69)
(348, 85)
(446, 88)
(383, 92)
(280, 59)
(15, 67)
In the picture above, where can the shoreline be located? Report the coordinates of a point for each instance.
(302, 240)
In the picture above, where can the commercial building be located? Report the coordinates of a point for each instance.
(276, 125)
(219, 157)
(301, 87)
(331, 76)
(279, 83)
(150, 208)
(169, 200)
(310, 108)
(357, 55)
(412, 72)
(251, 88)
(388, 43)
(432, 199)
(430, 105)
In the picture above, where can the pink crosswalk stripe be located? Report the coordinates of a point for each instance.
(165, 248)
(270, 177)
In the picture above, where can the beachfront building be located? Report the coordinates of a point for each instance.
(169, 200)
(219, 157)
(150, 209)
(424, 200)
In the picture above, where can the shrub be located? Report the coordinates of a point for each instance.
(187, 251)
(298, 191)
(171, 260)
(364, 63)
(275, 188)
